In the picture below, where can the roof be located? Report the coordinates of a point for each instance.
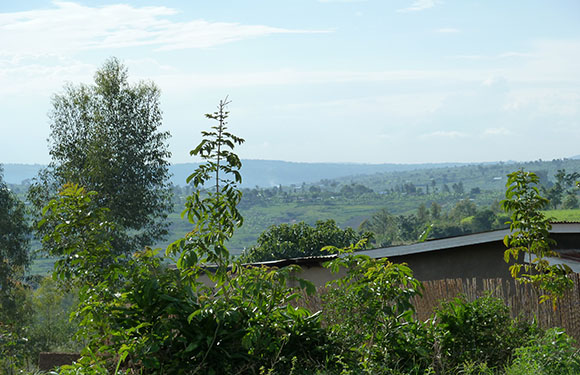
(459, 241)
(303, 261)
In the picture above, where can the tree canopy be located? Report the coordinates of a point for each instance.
(285, 241)
(105, 137)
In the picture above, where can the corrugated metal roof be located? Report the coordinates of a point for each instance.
(459, 241)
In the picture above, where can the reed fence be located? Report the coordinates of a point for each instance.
(523, 300)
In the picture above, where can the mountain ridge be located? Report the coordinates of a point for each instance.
(269, 173)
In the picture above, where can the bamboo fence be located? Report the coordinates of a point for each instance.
(523, 300)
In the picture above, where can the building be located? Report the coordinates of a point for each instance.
(478, 255)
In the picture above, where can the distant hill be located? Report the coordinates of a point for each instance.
(17, 173)
(263, 173)
(268, 173)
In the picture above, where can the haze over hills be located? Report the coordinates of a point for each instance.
(262, 173)
(269, 173)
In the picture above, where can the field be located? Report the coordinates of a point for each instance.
(564, 215)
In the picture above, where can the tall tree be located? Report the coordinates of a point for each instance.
(106, 137)
(213, 206)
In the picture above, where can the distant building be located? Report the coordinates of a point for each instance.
(479, 255)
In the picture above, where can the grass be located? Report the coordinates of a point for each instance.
(564, 215)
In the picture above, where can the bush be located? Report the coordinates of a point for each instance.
(480, 331)
(551, 354)
(370, 315)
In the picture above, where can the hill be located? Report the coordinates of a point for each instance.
(263, 173)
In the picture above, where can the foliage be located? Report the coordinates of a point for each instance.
(14, 260)
(105, 137)
(212, 207)
(369, 312)
(51, 328)
(80, 236)
(530, 237)
(12, 351)
(562, 191)
(570, 202)
(144, 317)
(286, 241)
(14, 257)
(463, 218)
(554, 353)
(480, 331)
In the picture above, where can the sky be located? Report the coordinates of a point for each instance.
(361, 81)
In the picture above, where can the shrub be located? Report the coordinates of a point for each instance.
(369, 312)
(480, 331)
(551, 354)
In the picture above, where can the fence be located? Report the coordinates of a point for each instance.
(523, 300)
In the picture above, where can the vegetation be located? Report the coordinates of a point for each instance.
(134, 313)
(529, 242)
(14, 257)
(286, 241)
(106, 137)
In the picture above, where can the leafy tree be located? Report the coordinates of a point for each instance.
(51, 328)
(212, 207)
(422, 213)
(458, 188)
(483, 220)
(570, 202)
(435, 210)
(14, 256)
(530, 238)
(105, 137)
(564, 182)
(463, 209)
(286, 241)
(384, 226)
(84, 244)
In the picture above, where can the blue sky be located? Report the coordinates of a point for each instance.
(375, 81)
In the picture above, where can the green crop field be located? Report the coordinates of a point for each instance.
(564, 215)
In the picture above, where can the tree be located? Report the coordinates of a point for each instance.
(384, 226)
(464, 208)
(422, 213)
(435, 210)
(105, 137)
(212, 207)
(529, 238)
(570, 202)
(286, 241)
(14, 257)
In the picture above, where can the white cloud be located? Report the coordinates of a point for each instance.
(341, 1)
(69, 27)
(294, 77)
(544, 101)
(447, 30)
(496, 131)
(452, 134)
(419, 5)
(504, 55)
